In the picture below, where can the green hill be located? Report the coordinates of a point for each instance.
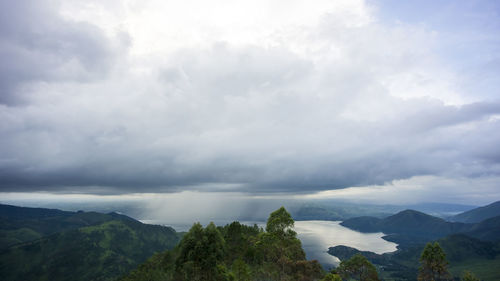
(488, 230)
(408, 227)
(478, 214)
(99, 252)
(21, 224)
(463, 253)
(49, 244)
(412, 228)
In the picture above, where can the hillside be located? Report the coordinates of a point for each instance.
(488, 230)
(22, 224)
(407, 227)
(49, 244)
(462, 252)
(478, 214)
(100, 252)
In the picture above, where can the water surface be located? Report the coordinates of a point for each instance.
(318, 236)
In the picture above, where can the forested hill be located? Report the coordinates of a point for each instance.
(234, 252)
(22, 224)
(462, 253)
(409, 227)
(478, 214)
(56, 245)
(408, 222)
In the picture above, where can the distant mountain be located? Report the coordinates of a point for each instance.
(90, 246)
(338, 210)
(409, 223)
(441, 210)
(478, 214)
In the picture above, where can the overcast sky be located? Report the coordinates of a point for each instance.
(374, 100)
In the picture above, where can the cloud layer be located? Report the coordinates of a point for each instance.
(121, 98)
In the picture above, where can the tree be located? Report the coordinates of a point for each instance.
(241, 270)
(433, 263)
(331, 277)
(281, 253)
(358, 267)
(469, 276)
(280, 223)
(201, 254)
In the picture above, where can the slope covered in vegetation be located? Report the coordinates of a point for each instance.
(22, 224)
(478, 214)
(104, 247)
(234, 252)
(463, 253)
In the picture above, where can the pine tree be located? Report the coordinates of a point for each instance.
(433, 264)
(469, 276)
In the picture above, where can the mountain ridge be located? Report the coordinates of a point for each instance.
(478, 214)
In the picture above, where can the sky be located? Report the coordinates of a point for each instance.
(379, 101)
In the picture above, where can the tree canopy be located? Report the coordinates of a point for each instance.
(433, 264)
(359, 268)
(280, 223)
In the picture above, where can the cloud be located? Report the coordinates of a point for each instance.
(326, 102)
(39, 45)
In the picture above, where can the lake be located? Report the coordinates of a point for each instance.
(317, 236)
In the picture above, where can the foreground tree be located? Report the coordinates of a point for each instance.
(201, 255)
(433, 264)
(280, 223)
(331, 277)
(359, 268)
(241, 270)
(281, 251)
(469, 276)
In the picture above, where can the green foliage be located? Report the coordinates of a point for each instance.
(104, 252)
(469, 276)
(235, 252)
(463, 253)
(201, 252)
(21, 224)
(241, 270)
(359, 268)
(433, 263)
(280, 223)
(331, 277)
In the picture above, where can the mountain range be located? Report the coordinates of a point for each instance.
(468, 246)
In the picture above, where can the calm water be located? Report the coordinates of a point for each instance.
(318, 236)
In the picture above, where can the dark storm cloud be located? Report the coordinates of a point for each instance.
(38, 45)
(343, 107)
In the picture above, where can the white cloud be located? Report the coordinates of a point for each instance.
(478, 191)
